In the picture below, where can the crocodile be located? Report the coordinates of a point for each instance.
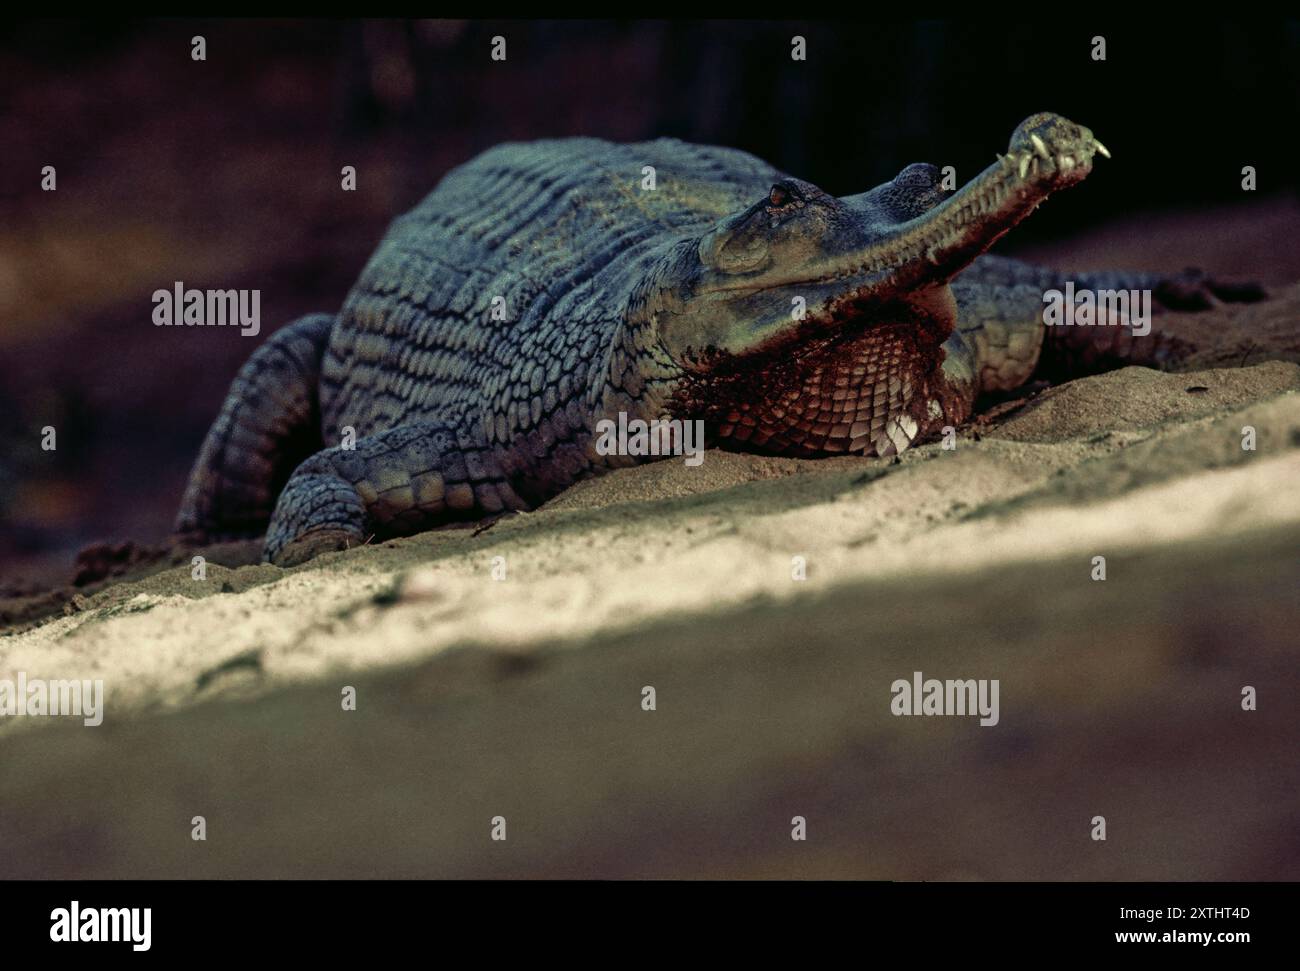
(543, 288)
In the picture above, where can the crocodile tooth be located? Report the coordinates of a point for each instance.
(1066, 163)
(1024, 165)
(1039, 147)
(1101, 148)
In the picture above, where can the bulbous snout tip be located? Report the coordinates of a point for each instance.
(1049, 145)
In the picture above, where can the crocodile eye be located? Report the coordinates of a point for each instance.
(784, 194)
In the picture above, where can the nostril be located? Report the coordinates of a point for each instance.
(914, 191)
(918, 175)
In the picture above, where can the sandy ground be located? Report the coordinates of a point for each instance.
(521, 697)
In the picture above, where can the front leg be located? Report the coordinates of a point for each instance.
(398, 482)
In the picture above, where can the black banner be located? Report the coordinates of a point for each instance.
(329, 919)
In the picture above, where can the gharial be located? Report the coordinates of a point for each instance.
(542, 288)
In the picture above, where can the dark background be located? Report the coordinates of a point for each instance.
(225, 173)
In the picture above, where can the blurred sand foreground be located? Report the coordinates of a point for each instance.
(522, 697)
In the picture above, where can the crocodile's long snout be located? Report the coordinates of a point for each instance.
(1046, 153)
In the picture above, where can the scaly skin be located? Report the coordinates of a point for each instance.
(539, 289)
